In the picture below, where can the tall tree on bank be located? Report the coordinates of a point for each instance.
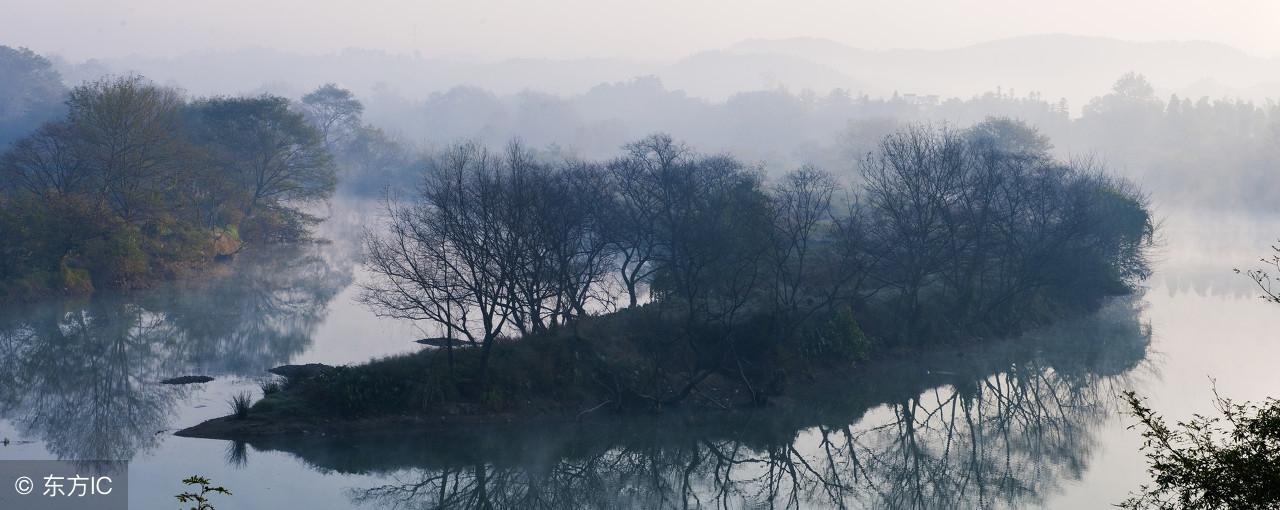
(279, 161)
(956, 225)
(636, 185)
(136, 183)
(128, 132)
(443, 259)
(335, 111)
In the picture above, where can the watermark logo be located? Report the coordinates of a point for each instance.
(23, 485)
(65, 485)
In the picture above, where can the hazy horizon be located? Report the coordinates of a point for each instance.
(90, 56)
(571, 254)
(663, 30)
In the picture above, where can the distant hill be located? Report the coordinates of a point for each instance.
(253, 70)
(719, 74)
(1074, 67)
(710, 74)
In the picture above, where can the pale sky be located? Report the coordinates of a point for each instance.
(80, 29)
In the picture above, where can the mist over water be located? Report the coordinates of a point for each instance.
(1013, 424)
(1187, 111)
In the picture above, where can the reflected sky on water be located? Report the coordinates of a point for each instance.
(1024, 423)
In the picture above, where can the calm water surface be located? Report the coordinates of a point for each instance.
(1032, 423)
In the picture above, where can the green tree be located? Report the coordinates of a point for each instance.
(201, 498)
(136, 182)
(1230, 461)
(335, 111)
(277, 160)
(31, 92)
(127, 131)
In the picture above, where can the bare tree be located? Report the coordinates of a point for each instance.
(584, 255)
(818, 258)
(638, 183)
(962, 221)
(802, 206)
(443, 259)
(913, 183)
(46, 163)
(1263, 277)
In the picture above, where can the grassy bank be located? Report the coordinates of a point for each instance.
(630, 364)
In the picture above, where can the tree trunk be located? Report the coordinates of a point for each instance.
(484, 361)
(448, 349)
(631, 294)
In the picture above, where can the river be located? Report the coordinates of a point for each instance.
(1029, 422)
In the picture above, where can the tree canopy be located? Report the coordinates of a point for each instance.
(948, 232)
(138, 182)
(31, 92)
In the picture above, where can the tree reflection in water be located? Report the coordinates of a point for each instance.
(83, 377)
(1000, 426)
(261, 316)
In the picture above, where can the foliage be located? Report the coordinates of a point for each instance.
(270, 386)
(31, 92)
(240, 404)
(201, 498)
(950, 232)
(271, 154)
(1267, 278)
(1230, 461)
(1165, 142)
(335, 112)
(985, 229)
(838, 337)
(361, 391)
(138, 183)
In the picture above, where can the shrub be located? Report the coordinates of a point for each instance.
(354, 391)
(269, 386)
(1232, 461)
(201, 498)
(74, 280)
(240, 404)
(493, 400)
(837, 337)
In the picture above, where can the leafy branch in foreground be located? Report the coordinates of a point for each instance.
(1269, 284)
(1222, 462)
(201, 499)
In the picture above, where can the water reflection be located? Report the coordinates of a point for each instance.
(1001, 425)
(82, 377)
(73, 378)
(261, 317)
(1213, 281)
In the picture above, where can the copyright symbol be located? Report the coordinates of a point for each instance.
(23, 485)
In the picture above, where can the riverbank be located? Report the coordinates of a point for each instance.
(1113, 337)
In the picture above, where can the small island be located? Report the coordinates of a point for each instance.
(667, 279)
